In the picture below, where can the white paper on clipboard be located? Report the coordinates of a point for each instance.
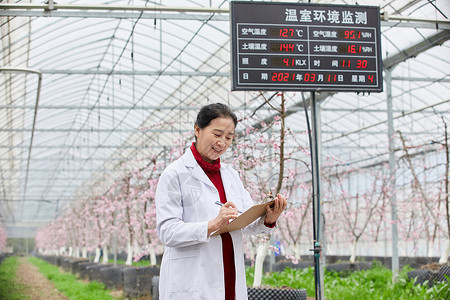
(245, 218)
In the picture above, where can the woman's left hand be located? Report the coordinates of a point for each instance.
(272, 214)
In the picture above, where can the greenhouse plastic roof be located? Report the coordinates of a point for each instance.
(88, 93)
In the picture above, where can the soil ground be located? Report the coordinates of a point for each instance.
(39, 286)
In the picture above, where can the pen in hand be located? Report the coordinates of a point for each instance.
(220, 204)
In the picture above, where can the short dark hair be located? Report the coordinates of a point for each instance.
(212, 111)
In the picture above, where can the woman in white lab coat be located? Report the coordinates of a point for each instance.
(196, 265)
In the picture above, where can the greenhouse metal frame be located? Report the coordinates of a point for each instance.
(92, 94)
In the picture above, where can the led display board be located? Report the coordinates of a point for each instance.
(305, 47)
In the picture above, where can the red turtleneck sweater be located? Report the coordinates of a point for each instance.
(213, 173)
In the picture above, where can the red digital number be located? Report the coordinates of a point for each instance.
(331, 78)
(346, 63)
(349, 34)
(361, 64)
(351, 49)
(310, 77)
(288, 62)
(287, 47)
(280, 77)
(286, 32)
(354, 49)
(370, 77)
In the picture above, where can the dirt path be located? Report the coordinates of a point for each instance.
(39, 286)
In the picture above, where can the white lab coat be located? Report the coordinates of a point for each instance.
(192, 264)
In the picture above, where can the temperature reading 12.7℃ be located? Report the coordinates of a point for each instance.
(284, 46)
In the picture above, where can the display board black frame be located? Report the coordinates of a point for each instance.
(279, 46)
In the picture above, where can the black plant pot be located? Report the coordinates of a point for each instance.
(137, 281)
(94, 272)
(71, 264)
(112, 276)
(422, 275)
(261, 293)
(83, 273)
(65, 264)
(443, 272)
(58, 260)
(76, 265)
(51, 259)
(155, 288)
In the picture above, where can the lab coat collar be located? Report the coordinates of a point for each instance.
(197, 171)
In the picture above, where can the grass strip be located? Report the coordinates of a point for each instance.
(142, 263)
(68, 284)
(373, 284)
(9, 288)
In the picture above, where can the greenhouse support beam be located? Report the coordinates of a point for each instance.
(125, 15)
(129, 107)
(91, 130)
(392, 174)
(384, 121)
(73, 159)
(386, 17)
(172, 16)
(137, 73)
(108, 11)
(428, 43)
(9, 69)
(84, 147)
(107, 7)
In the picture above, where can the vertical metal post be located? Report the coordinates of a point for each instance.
(316, 198)
(392, 167)
(321, 220)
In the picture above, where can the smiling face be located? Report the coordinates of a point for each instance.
(214, 139)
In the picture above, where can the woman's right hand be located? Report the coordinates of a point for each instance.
(227, 212)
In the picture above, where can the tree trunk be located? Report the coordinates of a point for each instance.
(296, 251)
(105, 255)
(353, 257)
(84, 252)
(152, 253)
(445, 253)
(430, 248)
(77, 252)
(129, 254)
(136, 248)
(260, 256)
(97, 255)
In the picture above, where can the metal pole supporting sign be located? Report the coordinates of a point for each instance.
(313, 140)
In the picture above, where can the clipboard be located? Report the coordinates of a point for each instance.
(245, 218)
